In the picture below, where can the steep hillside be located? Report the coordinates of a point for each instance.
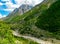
(50, 19)
(19, 11)
(6, 36)
(41, 22)
(38, 9)
(29, 23)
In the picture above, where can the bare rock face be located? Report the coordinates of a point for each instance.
(24, 8)
(20, 11)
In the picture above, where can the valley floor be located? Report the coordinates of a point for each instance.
(32, 38)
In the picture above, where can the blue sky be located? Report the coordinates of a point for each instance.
(7, 6)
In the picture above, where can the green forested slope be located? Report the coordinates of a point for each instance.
(35, 11)
(50, 19)
(43, 21)
(6, 36)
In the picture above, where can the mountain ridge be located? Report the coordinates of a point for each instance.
(42, 21)
(27, 22)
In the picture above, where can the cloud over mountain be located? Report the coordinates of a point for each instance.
(2, 15)
(10, 5)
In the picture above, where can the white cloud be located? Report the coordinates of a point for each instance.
(34, 2)
(38, 1)
(1, 3)
(2, 15)
(11, 6)
(8, 9)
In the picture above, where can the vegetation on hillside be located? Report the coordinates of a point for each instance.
(43, 21)
(50, 19)
(42, 18)
(6, 36)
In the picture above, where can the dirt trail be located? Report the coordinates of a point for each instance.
(32, 38)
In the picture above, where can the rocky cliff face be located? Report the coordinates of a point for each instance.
(19, 11)
(22, 9)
